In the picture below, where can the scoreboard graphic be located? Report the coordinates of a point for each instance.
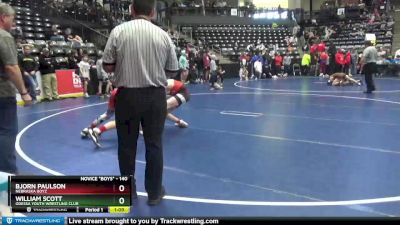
(77, 194)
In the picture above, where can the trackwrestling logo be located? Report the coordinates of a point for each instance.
(33, 220)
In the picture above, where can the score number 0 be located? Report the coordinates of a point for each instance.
(121, 200)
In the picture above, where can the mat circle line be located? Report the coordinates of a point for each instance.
(237, 84)
(23, 155)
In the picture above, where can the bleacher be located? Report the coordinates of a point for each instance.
(39, 32)
(346, 41)
(225, 37)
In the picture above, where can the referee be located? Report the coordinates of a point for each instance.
(141, 54)
(368, 60)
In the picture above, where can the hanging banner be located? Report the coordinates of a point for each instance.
(68, 82)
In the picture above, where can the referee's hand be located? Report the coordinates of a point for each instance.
(27, 99)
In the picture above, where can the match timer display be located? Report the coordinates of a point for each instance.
(88, 194)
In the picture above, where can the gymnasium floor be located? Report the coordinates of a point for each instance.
(287, 147)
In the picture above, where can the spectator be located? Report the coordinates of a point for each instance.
(103, 78)
(278, 64)
(220, 74)
(10, 78)
(323, 62)
(328, 33)
(54, 32)
(236, 47)
(339, 60)
(200, 67)
(73, 62)
(267, 59)
(141, 97)
(29, 68)
(250, 47)
(305, 64)
(313, 49)
(321, 47)
(347, 62)
(193, 74)
(76, 41)
(290, 49)
(314, 63)
(213, 79)
(331, 56)
(260, 46)
(243, 73)
(287, 63)
(354, 60)
(84, 69)
(206, 66)
(183, 66)
(258, 67)
(67, 33)
(381, 55)
(257, 57)
(49, 79)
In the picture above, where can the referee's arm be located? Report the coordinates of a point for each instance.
(171, 65)
(109, 55)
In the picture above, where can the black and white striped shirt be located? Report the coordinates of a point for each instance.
(141, 53)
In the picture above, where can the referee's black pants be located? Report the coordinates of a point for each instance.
(146, 106)
(369, 70)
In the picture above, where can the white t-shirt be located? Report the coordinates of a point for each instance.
(258, 67)
(84, 68)
(213, 65)
(244, 62)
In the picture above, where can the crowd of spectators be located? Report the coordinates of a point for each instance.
(64, 50)
(320, 55)
(197, 64)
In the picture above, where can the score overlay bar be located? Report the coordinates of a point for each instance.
(69, 193)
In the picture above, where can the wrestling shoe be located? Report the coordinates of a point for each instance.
(85, 133)
(181, 124)
(95, 137)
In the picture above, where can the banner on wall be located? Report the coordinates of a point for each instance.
(68, 82)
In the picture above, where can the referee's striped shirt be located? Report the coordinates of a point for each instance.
(141, 52)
